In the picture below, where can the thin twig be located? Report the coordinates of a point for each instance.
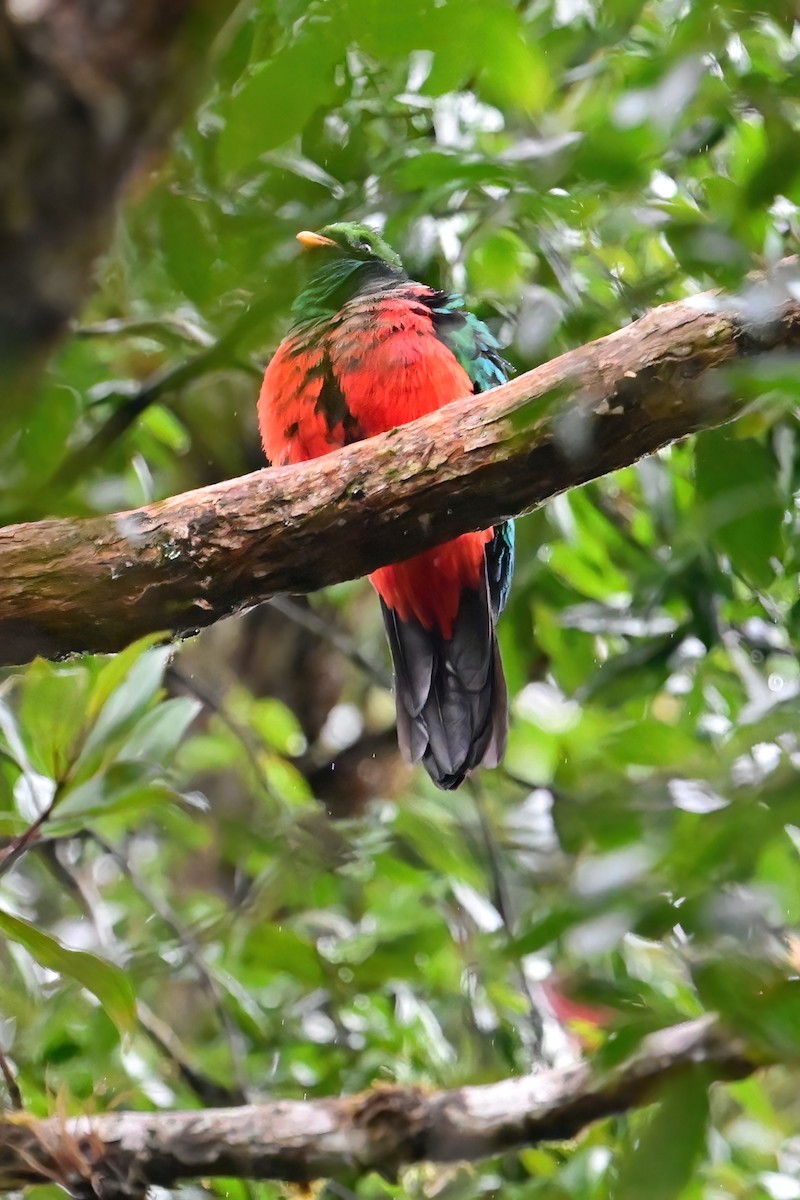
(310, 620)
(221, 353)
(192, 950)
(156, 327)
(11, 854)
(215, 705)
(10, 1080)
(208, 1091)
(334, 1188)
(501, 899)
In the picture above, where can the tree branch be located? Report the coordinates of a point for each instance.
(220, 353)
(119, 1154)
(94, 584)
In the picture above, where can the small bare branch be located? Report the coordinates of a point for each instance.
(383, 1129)
(10, 1080)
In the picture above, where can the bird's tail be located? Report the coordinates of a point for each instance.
(452, 708)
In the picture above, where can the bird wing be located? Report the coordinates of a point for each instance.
(302, 409)
(478, 352)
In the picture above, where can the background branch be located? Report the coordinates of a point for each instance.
(170, 380)
(187, 561)
(383, 1129)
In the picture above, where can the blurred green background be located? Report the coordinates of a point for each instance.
(235, 841)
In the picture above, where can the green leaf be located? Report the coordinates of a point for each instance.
(743, 516)
(286, 782)
(514, 71)
(108, 983)
(136, 684)
(120, 788)
(756, 999)
(271, 949)
(275, 723)
(114, 671)
(392, 31)
(665, 1154)
(650, 743)
(280, 95)
(188, 252)
(156, 736)
(168, 429)
(499, 262)
(433, 169)
(53, 714)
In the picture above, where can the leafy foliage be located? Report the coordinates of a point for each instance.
(230, 837)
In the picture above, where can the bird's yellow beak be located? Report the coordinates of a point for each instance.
(312, 241)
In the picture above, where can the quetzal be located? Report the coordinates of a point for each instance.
(369, 349)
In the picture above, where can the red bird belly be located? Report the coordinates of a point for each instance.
(383, 360)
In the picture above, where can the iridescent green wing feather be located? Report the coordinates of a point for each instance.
(478, 352)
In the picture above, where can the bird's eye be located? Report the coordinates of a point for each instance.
(364, 246)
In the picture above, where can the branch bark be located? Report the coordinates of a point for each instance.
(120, 1154)
(94, 584)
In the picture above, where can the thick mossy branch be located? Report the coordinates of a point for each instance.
(95, 584)
(119, 1154)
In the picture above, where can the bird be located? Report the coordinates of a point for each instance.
(369, 349)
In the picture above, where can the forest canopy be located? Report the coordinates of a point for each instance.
(218, 880)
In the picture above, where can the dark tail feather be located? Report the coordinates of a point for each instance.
(452, 711)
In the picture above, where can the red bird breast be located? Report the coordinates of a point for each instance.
(377, 365)
(379, 357)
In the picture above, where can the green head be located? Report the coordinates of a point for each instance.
(351, 241)
(346, 258)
